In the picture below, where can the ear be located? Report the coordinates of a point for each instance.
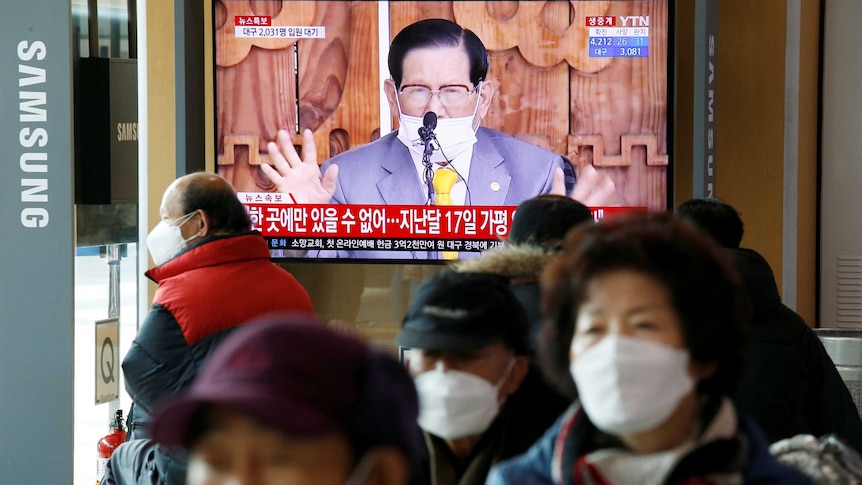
(486, 96)
(405, 357)
(516, 376)
(701, 370)
(390, 91)
(204, 229)
(390, 467)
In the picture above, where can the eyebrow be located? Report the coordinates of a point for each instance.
(642, 308)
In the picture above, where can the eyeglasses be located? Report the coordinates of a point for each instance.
(451, 95)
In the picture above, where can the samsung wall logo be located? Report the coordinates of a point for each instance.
(33, 133)
(127, 132)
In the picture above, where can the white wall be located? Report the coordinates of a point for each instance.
(841, 217)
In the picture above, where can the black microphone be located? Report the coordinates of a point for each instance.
(426, 132)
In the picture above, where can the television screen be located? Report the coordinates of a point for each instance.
(576, 93)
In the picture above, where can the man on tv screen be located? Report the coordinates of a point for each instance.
(439, 91)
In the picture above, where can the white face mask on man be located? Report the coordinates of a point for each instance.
(628, 384)
(166, 240)
(454, 135)
(455, 404)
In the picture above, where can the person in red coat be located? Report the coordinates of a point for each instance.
(214, 274)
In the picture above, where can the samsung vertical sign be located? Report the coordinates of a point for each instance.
(33, 133)
(36, 242)
(705, 45)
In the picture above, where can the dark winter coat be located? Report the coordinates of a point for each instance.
(203, 295)
(559, 457)
(790, 385)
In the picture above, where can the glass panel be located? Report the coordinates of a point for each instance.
(92, 275)
(370, 299)
(80, 28)
(113, 28)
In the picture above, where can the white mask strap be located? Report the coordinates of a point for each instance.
(360, 473)
(187, 218)
(478, 97)
(397, 101)
(509, 368)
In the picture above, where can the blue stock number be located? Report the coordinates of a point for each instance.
(600, 41)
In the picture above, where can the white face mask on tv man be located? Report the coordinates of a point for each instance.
(454, 135)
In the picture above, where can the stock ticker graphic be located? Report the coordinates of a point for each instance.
(618, 36)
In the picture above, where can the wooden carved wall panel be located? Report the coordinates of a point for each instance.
(357, 117)
(256, 97)
(628, 144)
(256, 85)
(402, 14)
(624, 106)
(523, 106)
(323, 65)
(545, 33)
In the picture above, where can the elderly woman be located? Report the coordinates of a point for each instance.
(645, 321)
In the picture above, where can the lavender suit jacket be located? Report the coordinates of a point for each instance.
(382, 172)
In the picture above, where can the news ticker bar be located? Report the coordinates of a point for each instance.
(279, 218)
(285, 244)
(380, 221)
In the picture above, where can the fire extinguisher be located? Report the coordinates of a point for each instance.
(109, 443)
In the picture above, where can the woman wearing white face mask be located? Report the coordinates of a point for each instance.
(647, 324)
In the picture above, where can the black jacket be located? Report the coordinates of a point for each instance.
(790, 385)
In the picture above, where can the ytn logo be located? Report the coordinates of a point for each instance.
(634, 21)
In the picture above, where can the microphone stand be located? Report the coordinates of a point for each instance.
(428, 173)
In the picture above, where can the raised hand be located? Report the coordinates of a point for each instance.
(298, 177)
(591, 189)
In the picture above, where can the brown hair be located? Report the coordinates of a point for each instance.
(703, 286)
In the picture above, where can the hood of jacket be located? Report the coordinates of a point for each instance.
(758, 280)
(510, 260)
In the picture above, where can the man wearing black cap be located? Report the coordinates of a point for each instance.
(466, 336)
(538, 228)
(287, 401)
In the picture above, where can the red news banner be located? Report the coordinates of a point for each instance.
(286, 225)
